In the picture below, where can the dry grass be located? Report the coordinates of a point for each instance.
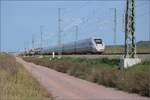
(16, 83)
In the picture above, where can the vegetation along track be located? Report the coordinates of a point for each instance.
(102, 71)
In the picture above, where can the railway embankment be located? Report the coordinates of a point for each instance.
(102, 71)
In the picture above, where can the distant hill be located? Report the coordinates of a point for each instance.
(138, 44)
(142, 47)
(143, 44)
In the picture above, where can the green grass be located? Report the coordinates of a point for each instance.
(17, 84)
(102, 71)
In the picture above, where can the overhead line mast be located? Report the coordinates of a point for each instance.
(41, 31)
(130, 44)
(130, 57)
(76, 37)
(115, 25)
(33, 41)
(0, 40)
(59, 32)
(149, 20)
(0, 32)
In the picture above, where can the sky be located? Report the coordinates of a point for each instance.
(21, 21)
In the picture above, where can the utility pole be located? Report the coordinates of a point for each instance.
(123, 22)
(41, 33)
(0, 31)
(59, 33)
(115, 26)
(130, 57)
(149, 21)
(0, 40)
(76, 37)
(33, 41)
(130, 44)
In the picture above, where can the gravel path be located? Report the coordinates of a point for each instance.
(65, 87)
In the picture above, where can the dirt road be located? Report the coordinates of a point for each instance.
(65, 87)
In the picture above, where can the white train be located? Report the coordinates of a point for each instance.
(90, 45)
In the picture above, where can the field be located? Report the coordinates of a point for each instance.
(120, 50)
(102, 71)
(141, 47)
(17, 84)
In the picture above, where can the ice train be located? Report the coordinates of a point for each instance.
(85, 46)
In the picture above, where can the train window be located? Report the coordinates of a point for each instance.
(98, 41)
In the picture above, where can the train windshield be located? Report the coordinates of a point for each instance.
(98, 41)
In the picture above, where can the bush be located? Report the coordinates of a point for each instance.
(137, 79)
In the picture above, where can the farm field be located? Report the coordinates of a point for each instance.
(17, 84)
(102, 71)
(143, 47)
(120, 50)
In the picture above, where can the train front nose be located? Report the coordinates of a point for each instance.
(100, 47)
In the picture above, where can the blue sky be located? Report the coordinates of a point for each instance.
(21, 20)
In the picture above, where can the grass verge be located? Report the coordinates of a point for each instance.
(17, 84)
(102, 71)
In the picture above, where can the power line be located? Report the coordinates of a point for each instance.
(54, 0)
